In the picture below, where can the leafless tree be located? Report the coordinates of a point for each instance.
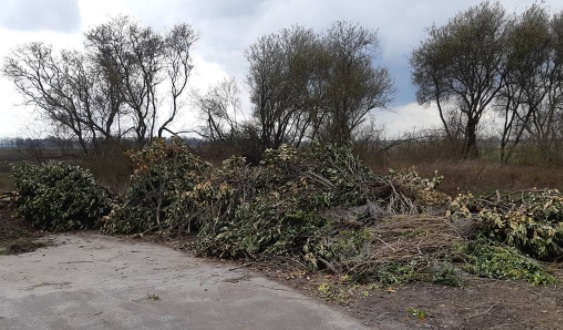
(315, 86)
(281, 68)
(463, 62)
(353, 84)
(531, 95)
(112, 89)
(220, 109)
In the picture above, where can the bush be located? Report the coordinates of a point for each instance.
(58, 197)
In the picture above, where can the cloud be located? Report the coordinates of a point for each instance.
(12, 116)
(228, 27)
(407, 118)
(40, 15)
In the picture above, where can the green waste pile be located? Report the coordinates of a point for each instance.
(317, 206)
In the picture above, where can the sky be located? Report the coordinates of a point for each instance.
(227, 28)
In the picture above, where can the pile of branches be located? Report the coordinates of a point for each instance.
(283, 207)
(58, 197)
(531, 221)
(317, 206)
(162, 172)
(8, 199)
(407, 248)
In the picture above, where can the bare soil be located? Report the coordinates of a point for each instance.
(479, 304)
(17, 236)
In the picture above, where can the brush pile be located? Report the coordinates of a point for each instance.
(531, 221)
(316, 205)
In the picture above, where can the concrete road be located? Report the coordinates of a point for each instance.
(97, 282)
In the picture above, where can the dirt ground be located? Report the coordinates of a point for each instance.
(17, 236)
(478, 304)
(481, 304)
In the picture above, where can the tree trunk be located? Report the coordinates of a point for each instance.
(470, 150)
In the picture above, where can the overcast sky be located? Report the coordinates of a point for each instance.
(227, 27)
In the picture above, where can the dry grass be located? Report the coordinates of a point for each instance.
(400, 239)
(408, 248)
(6, 183)
(111, 169)
(527, 170)
(484, 177)
(405, 237)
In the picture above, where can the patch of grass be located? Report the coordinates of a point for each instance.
(153, 297)
(418, 269)
(20, 245)
(16, 235)
(420, 314)
(110, 166)
(342, 290)
(482, 176)
(446, 275)
(398, 272)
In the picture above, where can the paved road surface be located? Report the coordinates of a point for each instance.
(95, 282)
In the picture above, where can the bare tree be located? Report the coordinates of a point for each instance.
(463, 62)
(45, 81)
(546, 124)
(354, 85)
(221, 111)
(319, 87)
(281, 68)
(531, 76)
(178, 61)
(111, 89)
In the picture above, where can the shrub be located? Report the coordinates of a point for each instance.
(57, 196)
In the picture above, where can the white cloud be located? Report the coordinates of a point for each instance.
(228, 27)
(40, 15)
(407, 118)
(12, 117)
